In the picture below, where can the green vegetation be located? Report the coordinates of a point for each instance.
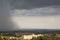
(8, 38)
(47, 37)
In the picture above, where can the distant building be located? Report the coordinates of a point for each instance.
(31, 36)
(12, 37)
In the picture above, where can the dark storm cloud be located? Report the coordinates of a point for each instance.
(28, 4)
(43, 11)
(32, 4)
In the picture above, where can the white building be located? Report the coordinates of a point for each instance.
(31, 36)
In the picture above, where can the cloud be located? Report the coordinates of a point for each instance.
(10, 9)
(44, 11)
(37, 18)
(30, 4)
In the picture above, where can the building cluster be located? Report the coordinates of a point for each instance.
(31, 36)
(23, 37)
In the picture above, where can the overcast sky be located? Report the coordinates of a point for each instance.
(29, 14)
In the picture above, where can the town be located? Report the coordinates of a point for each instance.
(28, 36)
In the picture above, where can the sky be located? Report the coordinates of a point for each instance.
(29, 14)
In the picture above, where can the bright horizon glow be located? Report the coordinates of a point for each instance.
(27, 22)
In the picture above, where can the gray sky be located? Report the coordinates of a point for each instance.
(29, 14)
